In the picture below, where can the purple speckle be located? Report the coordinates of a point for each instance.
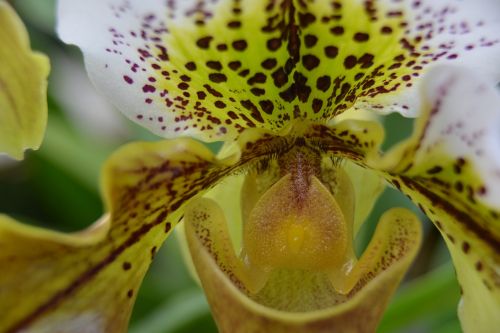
(147, 88)
(128, 79)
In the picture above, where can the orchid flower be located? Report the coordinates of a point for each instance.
(281, 83)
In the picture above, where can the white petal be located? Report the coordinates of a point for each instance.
(465, 122)
(460, 32)
(122, 42)
(145, 56)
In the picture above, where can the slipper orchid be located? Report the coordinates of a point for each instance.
(280, 82)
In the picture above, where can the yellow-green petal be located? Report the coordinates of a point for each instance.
(450, 168)
(87, 282)
(368, 186)
(23, 87)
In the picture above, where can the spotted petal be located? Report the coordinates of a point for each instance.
(23, 87)
(212, 68)
(451, 168)
(87, 282)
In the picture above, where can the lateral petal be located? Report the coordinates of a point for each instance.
(450, 167)
(87, 282)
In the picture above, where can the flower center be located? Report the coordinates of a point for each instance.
(296, 223)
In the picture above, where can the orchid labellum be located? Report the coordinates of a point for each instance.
(270, 220)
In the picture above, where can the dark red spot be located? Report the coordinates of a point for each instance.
(217, 77)
(331, 51)
(361, 37)
(269, 63)
(310, 61)
(386, 30)
(316, 105)
(147, 88)
(338, 30)
(204, 43)
(310, 40)
(350, 62)
(240, 45)
(234, 65)
(191, 66)
(128, 79)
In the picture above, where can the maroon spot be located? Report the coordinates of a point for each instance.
(465, 247)
(323, 83)
(350, 62)
(306, 19)
(386, 30)
(257, 78)
(147, 88)
(222, 47)
(310, 61)
(257, 91)
(234, 65)
(204, 42)
(361, 37)
(220, 104)
(128, 79)
(310, 40)
(316, 105)
(267, 106)
(183, 85)
(240, 45)
(234, 24)
(217, 77)
(216, 65)
(338, 30)
(331, 51)
(201, 95)
(274, 44)
(212, 91)
(191, 66)
(280, 78)
(269, 63)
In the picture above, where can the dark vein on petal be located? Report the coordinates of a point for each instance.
(459, 216)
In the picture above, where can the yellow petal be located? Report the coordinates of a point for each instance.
(368, 186)
(87, 282)
(23, 87)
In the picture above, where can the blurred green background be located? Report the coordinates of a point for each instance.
(57, 187)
